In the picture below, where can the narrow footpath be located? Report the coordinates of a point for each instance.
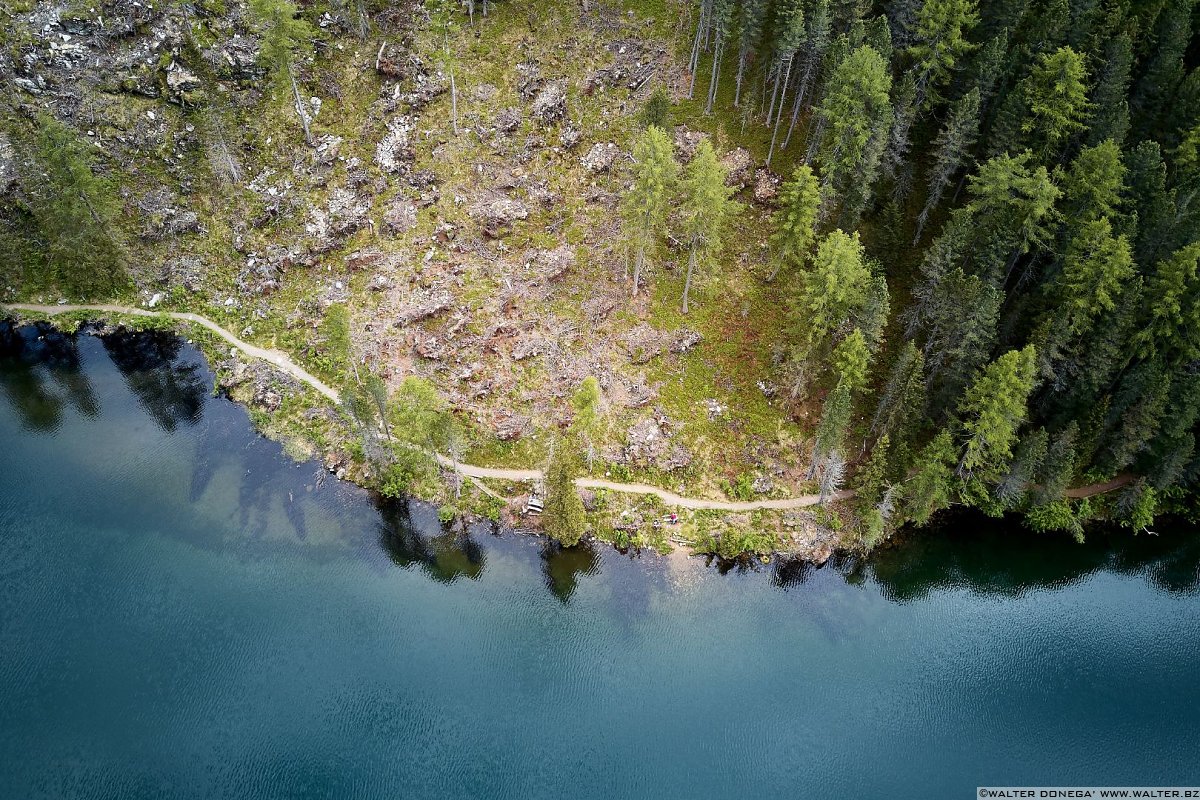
(282, 362)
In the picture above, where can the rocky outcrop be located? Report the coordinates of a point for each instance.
(600, 157)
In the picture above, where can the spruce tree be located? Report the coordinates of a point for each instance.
(1055, 95)
(833, 288)
(284, 37)
(930, 489)
(648, 201)
(75, 212)
(951, 153)
(856, 115)
(563, 517)
(795, 222)
(993, 408)
(706, 212)
(750, 18)
(940, 41)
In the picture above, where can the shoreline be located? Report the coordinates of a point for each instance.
(277, 360)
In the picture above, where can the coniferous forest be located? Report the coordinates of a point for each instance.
(994, 206)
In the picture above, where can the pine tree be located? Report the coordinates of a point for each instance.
(1058, 467)
(1096, 268)
(646, 204)
(951, 153)
(929, 490)
(1093, 184)
(993, 408)
(586, 425)
(1171, 321)
(940, 43)
(722, 22)
(790, 25)
(831, 430)
(851, 359)
(563, 517)
(1055, 95)
(795, 222)
(895, 161)
(284, 36)
(856, 115)
(442, 23)
(751, 16)
(902, 403)
(1164, 70)
(1147, 192)
(1110, 119)
(872, 479)
(1011, 209)
(706, 212)
(1027, 461)
(815, 46)
(833, 288)
(75, 212)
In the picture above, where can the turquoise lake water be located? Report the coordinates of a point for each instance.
(185, 613)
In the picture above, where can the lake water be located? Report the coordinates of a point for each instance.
(184, 612)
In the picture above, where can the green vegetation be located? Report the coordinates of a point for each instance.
(979, 281)
(563, 519)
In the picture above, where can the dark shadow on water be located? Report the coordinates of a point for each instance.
(31, 357)
(172, 389)
(1002, 557)
(562, 566)
(44, 375)
(411, 535)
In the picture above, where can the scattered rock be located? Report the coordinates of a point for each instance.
(738, 166)
(762, 485)
(643, 343)
(508, 119)
(570, 137)
(391, 63)
(361, 259)
(347, 213)
(183, 86)
(684, 340)
(550, 105)
(553, 264)
(430, 348)
(400, 217)
(600, 157)
(510, 427)
(267, 399)
(648, 444)
(498, 211)
(686, 142)
(766, 187)
(392, 154)
(715, 408)
(485, 92)
(422, 306)
(531, 79)
(379, 283)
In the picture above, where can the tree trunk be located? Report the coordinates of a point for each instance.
(694, 63)
(637, 269)
(737, 81)
(716, 72)
(300, 109)
(774, 93)
(687, 282)
(787, 76)
(453, 103)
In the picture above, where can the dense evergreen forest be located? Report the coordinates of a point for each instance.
(993, 208)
